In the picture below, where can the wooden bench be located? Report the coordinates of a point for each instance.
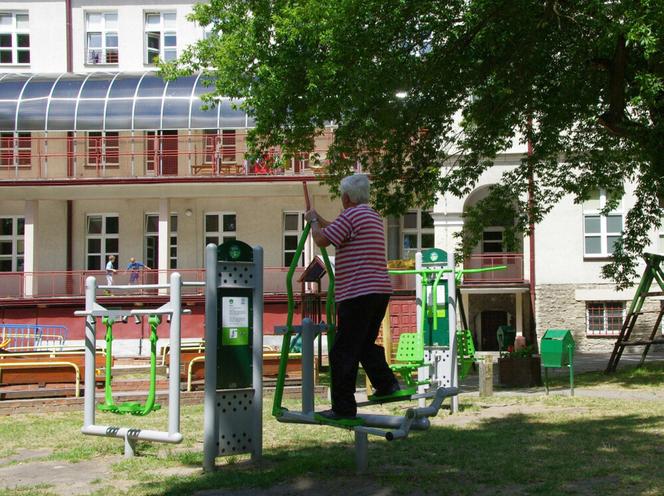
(48, 367)
(192, 363)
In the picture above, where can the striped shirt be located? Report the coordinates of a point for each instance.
(360, 264)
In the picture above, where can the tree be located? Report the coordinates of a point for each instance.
(424, 94)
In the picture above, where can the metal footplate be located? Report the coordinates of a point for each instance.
(417, 418)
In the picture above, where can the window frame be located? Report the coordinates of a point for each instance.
(220, 234)
(103, 49)
(14, 31)
(604, 234)
(172, 240)
(103, 149)
(103, 236)
(605, 306)
(163, 33)
(15, 237)
(418, 231)
(494, 229)
(289, 232)
(18, 152)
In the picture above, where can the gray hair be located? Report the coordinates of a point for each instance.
(356, 187)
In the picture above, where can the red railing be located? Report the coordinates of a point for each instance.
(513, 274)
(71, 284)
(149, 153)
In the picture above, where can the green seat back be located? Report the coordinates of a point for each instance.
(410, 348)
(465, 344)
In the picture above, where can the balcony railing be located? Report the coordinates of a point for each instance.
(71, 284)
(148, 154)
(512, 275)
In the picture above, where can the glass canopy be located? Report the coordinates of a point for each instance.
(111, 102)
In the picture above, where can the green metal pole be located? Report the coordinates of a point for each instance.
(285, 346)
(571, 369)
(154, 321)
(108, 392)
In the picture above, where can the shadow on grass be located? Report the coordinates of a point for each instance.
(650, 374)
(519, 454)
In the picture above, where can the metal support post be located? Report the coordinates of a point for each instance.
(361, 451)
(257, 352)
(571, 369)
(307, 366)
(211, 435)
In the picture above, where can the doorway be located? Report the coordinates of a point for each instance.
(162, 152)
(491, 320)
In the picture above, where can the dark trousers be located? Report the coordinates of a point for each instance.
(358, 324)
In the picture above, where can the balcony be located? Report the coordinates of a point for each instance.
(147, 154)
(71, 284)
(512, 275)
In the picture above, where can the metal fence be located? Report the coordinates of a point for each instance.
(33, 337)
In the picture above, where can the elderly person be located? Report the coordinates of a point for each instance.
(362, 294)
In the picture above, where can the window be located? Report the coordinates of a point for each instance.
(293, 227)
(160, 37)
(600, 231)
(103, 149)
(14, 38)
(492, 240)
(152, 241)
(102, 240)
(102, 37)
(15, 149)
(604, 318)
(11, 244)
(416, 232)
(220, 145)
(219, 228)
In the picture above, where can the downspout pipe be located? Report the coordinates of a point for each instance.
(531, 240)
(69, 36)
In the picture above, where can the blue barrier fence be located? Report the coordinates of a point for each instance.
(33, 337)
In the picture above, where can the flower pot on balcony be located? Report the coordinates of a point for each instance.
(520, 371)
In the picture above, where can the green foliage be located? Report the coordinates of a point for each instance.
(424, 95)
(525, 352)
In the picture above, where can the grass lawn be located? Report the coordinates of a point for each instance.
(503, 445)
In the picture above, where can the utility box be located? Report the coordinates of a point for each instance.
(505, 335)
(557, 348)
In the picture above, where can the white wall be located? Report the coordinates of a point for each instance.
(131, 41)
(48, 46)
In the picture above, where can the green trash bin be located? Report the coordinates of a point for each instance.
(557, 350)
(505, 335)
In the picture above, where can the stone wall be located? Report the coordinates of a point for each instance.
(557, 308)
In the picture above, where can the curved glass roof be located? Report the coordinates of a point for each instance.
(111, 102)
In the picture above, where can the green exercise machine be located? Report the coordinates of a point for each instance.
(131, 407)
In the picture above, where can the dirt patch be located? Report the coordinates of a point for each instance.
(64, 478)
(494, 411)
(25, 455)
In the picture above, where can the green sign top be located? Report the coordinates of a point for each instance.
(235, 251)
(434, 256)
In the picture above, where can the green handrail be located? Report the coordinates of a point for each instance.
(330, 314)
(277, 409)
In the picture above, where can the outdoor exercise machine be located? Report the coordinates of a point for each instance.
(233, 405)
(94, 310)
(437, 352)
(390, 427)
(131, 407)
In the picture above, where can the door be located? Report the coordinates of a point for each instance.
(169, 155)
(491, 320)
(161, 152)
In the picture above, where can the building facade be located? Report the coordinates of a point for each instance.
(100, 157)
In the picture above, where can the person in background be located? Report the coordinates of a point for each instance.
(135, 270)
(110, 270)
(363, 292)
